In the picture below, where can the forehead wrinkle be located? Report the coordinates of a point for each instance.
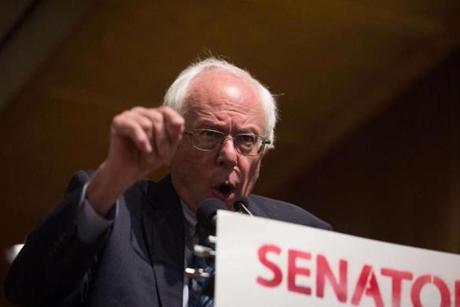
(223, 121)
(220, 86)
(222, 97)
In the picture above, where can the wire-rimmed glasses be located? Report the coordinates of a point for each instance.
(248, 144)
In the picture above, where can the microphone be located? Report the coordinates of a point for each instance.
(207, 214)
(204, 250)
(202, 271)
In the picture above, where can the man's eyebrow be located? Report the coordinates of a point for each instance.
(216, 126)
(206, 124)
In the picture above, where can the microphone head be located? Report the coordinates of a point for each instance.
(206, 213)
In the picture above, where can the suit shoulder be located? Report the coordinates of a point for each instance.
(287, 212)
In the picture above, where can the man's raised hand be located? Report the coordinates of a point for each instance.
(141, 141)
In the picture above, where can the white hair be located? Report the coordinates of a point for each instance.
(176, 95)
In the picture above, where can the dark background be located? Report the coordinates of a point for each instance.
(369, 95)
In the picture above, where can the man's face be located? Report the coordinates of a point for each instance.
(220, 101)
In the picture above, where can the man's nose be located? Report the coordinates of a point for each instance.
(227, 154)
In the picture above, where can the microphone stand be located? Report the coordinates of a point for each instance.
(205, 251)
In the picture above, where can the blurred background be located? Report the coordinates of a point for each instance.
(369, 95)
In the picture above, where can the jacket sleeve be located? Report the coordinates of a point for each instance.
(53, 267)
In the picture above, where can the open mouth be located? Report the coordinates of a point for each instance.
(225, 190)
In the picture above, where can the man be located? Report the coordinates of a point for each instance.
(118, 240)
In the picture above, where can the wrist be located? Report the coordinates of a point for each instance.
(104, 188)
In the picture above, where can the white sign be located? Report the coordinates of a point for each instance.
(262, 262)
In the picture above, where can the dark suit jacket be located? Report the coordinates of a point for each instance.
(139, 261)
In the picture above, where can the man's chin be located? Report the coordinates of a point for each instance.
(228, 198)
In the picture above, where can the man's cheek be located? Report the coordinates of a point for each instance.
(255, 170)
(250, 173)
(254, 174)
(194, 161)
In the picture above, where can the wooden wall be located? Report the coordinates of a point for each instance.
(397, 178)
(368, 93)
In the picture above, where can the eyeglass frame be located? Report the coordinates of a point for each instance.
(264, 141)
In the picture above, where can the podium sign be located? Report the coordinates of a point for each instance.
(262, 262)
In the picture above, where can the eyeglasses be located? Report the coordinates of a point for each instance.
(248, 144)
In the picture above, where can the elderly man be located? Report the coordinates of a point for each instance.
(119, 240)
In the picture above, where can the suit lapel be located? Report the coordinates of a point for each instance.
(163, 224)
(163, 229)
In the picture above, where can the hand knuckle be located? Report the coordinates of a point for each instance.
(137, 109)
(117, 120)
